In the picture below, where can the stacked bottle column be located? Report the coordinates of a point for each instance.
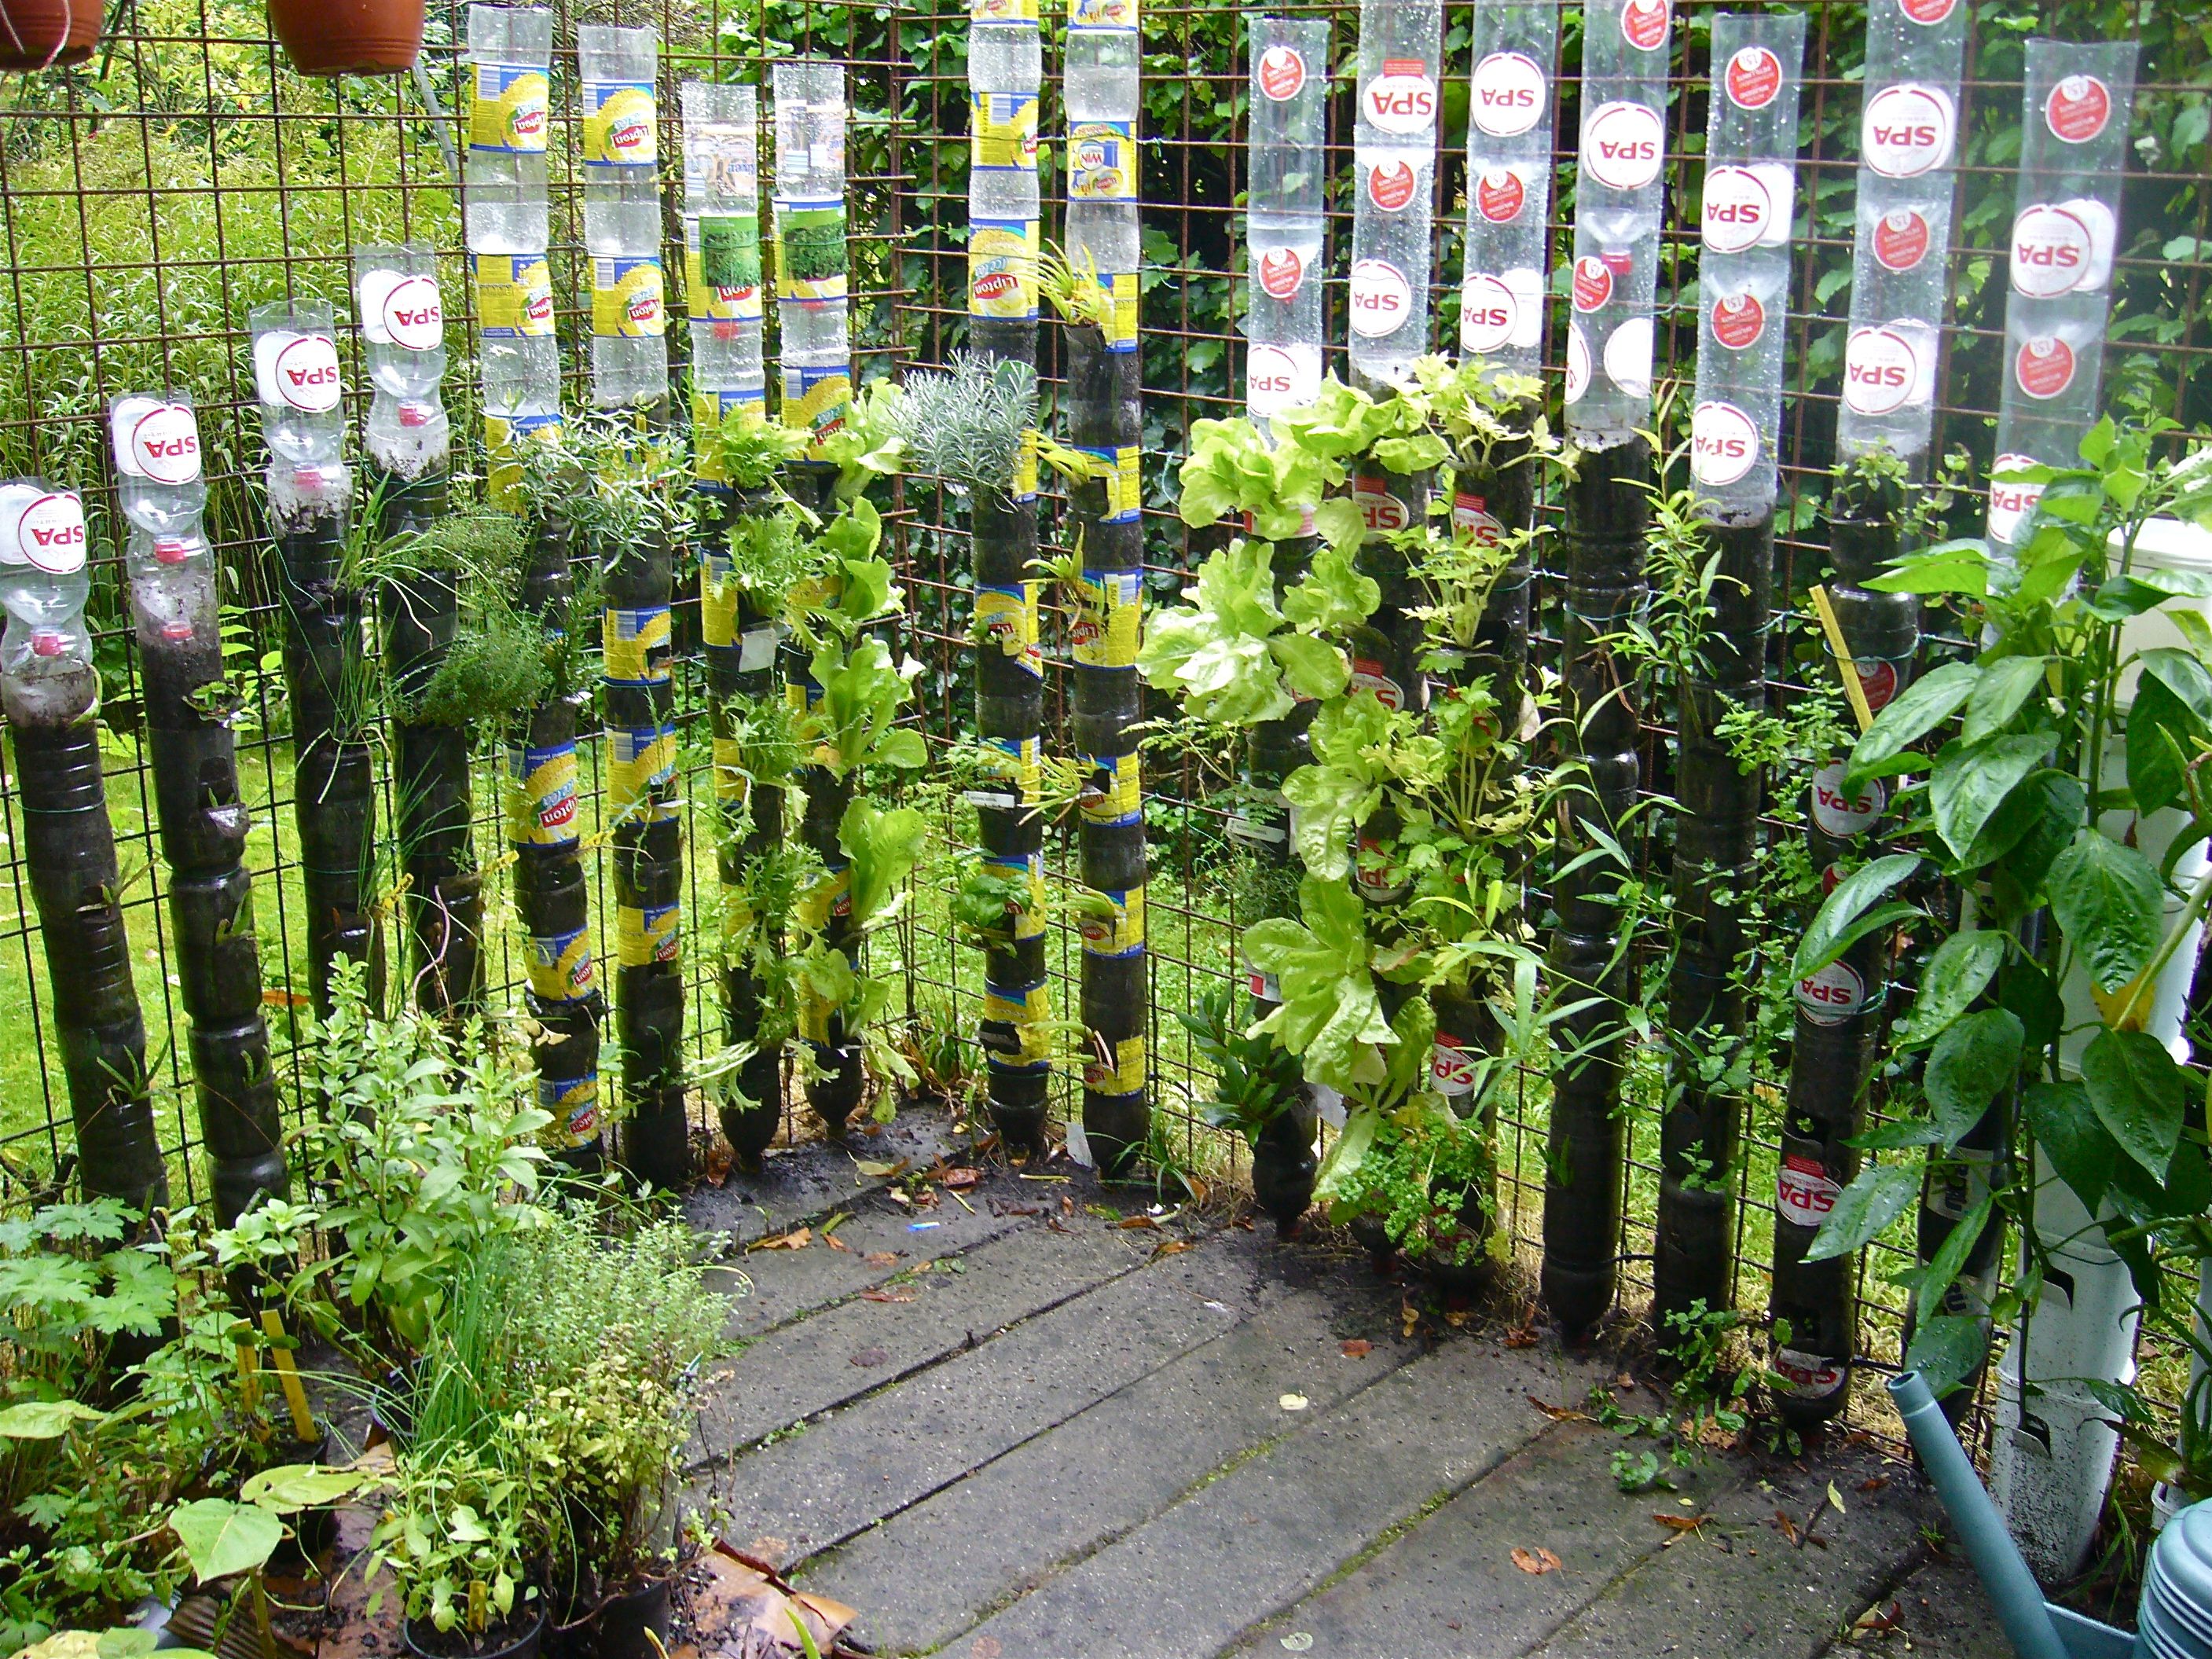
(177, 608)
(505, 220)
(402, 318)
(1285, 243)
(629, 372)
(310, 493)
(51, 693)
(1006, 60)
(1621, 153)
(2053, 1447)
(1105, 421)
(1393, 168)
(1744, 281)
(812, 306)
(1908, 133)
(722, 290)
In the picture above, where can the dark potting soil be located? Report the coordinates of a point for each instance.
(520, 1626)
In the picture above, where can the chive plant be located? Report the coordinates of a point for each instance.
(980, 434)
(203, 824)
(1883, 432)
(734, 459)
(51, 693)
(1751, 148)
(1286, 237)
(406, 439)
(329, 686)
(1609, 400)
(1106, 425)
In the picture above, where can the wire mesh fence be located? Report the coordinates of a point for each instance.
(152, 196)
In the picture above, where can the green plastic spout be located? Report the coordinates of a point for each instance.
(2012, 1590)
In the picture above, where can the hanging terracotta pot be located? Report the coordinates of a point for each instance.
(37, 35)
(348, 36)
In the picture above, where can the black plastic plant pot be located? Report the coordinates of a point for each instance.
(1369, 1232)
(631, 1625)
(750, 1128)
(203, 824)
(518, 1637)
(239, 1118)
(1019, 1101)
(1284, 1165)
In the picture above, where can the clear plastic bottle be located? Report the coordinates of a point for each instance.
(1006, 62)
(1101, 83)
(622, 215)
(46, 676)
(156, 446)
(296, 376)
(402, 320)
(517, 352)
(809, 217)
(1005, 54)
(509, 104)
(1394, 153)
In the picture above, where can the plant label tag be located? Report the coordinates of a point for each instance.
(157, 441)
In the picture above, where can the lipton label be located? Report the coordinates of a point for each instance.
(637, 645)
(1108, 617)
(1007, 617)
(1002, 11)
(1125, 1076)
(1113, 790)
(709, 300)
(729, 251)
(817, 400)
(1002, 131)
(645, 934)
(1002, 269)
(621, 125)
(712, 412)
(1101, 161)
(514, 295)
(510, 107)
(574, 1104)
(628, 298)
(1014, 1020)
(641, 759)
(810, 250)
(1117, 468)
(1116, 15)
(1121, 934)
(541, 795)
(558, 966)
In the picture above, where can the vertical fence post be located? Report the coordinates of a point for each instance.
(1622, 154)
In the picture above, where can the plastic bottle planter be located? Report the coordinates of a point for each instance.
(1105, 421)
(50, 692)
(2052, 1446)
(1749, 192)
(406, 440)
(563, 994)
(648, 856)
(811, 263)
(1005, 68)
(1285, 230)
(509, 115)
(1608, 513)
(1394, 161)
(2074, 115)
(1622, 145)
(296, 375)
(1509, 167)
(623, 215)
(203, 824)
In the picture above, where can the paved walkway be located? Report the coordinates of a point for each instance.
(1037, 1424)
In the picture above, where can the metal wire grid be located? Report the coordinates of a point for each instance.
(193, 120)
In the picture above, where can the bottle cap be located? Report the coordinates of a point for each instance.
(41, 527)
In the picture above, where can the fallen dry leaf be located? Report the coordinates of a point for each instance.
(1294, 1402)
(1128, 1222)
(1357, 1347)
(962, 1177)
(901, 1293)
(879, 1172)
(1538, 1561)
(1785, 1525)
(1170, 1246)
(721, 1160)
(1681, 1523)
(1873, 1483)
(1558, 1414)
(1000, 1206)
(881, 1258)
(1878, 1620)
(797, 1239)
(836, 1243)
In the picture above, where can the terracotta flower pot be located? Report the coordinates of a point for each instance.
(37, 35)
(348, 36)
